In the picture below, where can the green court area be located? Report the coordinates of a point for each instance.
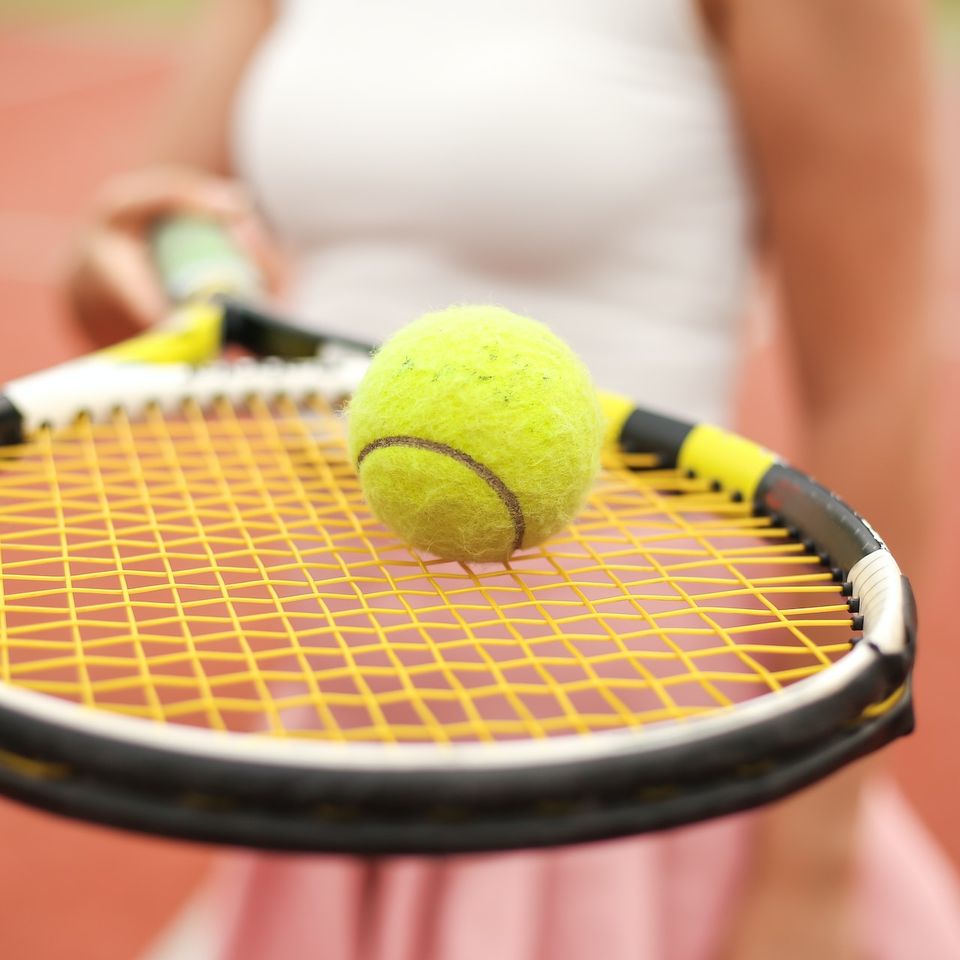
(159, 12)
(148, 13)
(948, 25)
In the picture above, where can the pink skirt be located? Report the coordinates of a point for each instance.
(664, 897)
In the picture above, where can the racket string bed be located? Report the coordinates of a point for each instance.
(206, 634)
(217, 567)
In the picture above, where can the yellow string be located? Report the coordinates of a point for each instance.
(220, 568)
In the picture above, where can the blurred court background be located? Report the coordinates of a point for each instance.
(80, 81)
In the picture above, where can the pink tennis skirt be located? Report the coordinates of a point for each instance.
(664, 897)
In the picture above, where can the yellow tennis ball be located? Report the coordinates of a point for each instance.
(475, 432)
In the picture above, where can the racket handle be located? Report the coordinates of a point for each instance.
(196, 258)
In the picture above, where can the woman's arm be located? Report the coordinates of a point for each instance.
(194, 129)
(111, 284)
(835, 108)
(835, 104)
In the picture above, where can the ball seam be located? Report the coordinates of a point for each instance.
(506, 495)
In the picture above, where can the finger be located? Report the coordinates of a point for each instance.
(263, 249)
(130, 287)
(134, 201)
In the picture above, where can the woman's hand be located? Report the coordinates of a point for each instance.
(112, 285)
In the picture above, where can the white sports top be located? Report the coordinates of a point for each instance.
(573, 160)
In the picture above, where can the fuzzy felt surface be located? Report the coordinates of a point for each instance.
(476, 431)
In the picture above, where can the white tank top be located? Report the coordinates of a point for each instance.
(573, 160)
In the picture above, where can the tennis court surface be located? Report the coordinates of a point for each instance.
(74, 107)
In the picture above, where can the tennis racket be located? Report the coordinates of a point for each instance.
(206, 634)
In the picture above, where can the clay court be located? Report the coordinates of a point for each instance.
(76, 101)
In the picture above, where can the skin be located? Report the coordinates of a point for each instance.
(111, 284)
(835, 106)
(833, 102)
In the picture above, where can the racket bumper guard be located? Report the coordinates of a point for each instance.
(887, 607)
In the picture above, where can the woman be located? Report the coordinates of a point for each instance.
(612, 167)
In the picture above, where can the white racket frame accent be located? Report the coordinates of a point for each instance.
(51, 396)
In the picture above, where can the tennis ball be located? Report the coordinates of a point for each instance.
(475, 432)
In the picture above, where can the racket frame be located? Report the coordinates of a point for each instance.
(385, 798)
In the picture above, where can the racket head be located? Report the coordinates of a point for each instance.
(611, 682)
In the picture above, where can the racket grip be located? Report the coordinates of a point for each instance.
(196, 258)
